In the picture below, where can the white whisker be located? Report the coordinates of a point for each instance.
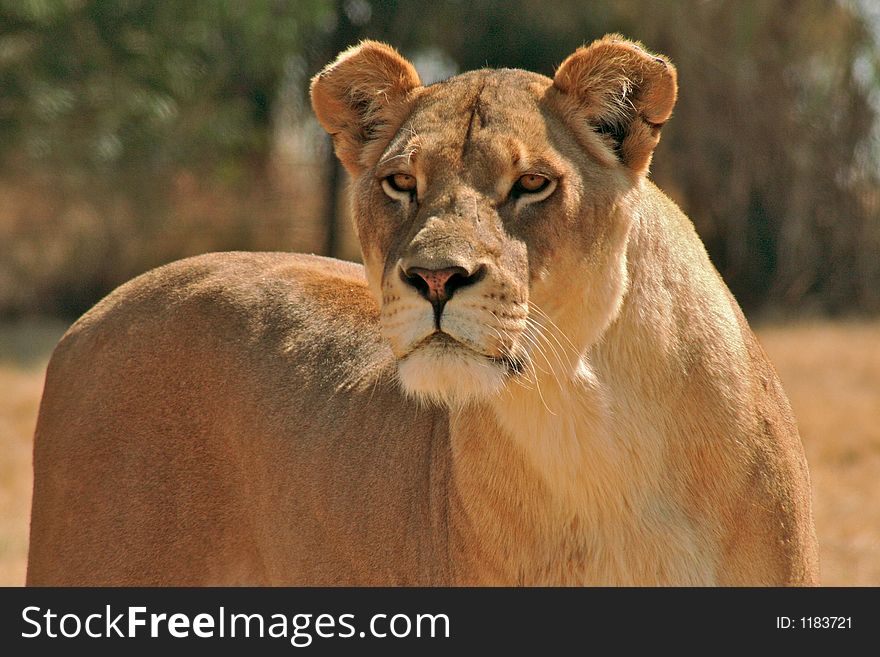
(541, 334)
(552, 372)
(535, 307)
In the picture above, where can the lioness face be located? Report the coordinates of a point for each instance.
(488, 210)
(473, 209)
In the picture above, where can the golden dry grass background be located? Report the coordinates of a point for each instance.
(831, 372)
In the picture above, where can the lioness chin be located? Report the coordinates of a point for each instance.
(536, 378)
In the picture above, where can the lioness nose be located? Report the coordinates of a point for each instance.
(438, 285)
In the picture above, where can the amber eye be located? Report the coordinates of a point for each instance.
(402, 182)
(530, 183)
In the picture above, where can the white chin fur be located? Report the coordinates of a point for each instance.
(452, 377)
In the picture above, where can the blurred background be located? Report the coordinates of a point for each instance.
(136, 132)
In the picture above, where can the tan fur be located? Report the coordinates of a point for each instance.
(598, 411)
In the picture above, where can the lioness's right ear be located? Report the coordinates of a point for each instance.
(362, 98)
(623, 92)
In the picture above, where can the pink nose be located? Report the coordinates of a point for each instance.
(436, 279)
(437, 285)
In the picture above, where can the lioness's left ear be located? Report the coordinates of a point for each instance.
(362, 98)
(624, 92)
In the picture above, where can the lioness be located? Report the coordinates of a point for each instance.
(537, 378)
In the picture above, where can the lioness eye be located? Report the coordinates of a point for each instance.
(530, 183)
(402, 182)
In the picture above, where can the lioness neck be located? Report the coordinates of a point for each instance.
(563, 478)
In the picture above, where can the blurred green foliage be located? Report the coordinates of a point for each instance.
(101, 85)
(133, 132)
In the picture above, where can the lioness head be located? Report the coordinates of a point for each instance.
(493, 209)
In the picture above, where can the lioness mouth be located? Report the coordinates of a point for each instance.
(439, 337)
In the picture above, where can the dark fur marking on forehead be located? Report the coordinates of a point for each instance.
(477, 114)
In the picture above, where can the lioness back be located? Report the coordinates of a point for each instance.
(225, 420)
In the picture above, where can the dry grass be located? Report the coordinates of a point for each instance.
(24, 351)
(830, 371)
